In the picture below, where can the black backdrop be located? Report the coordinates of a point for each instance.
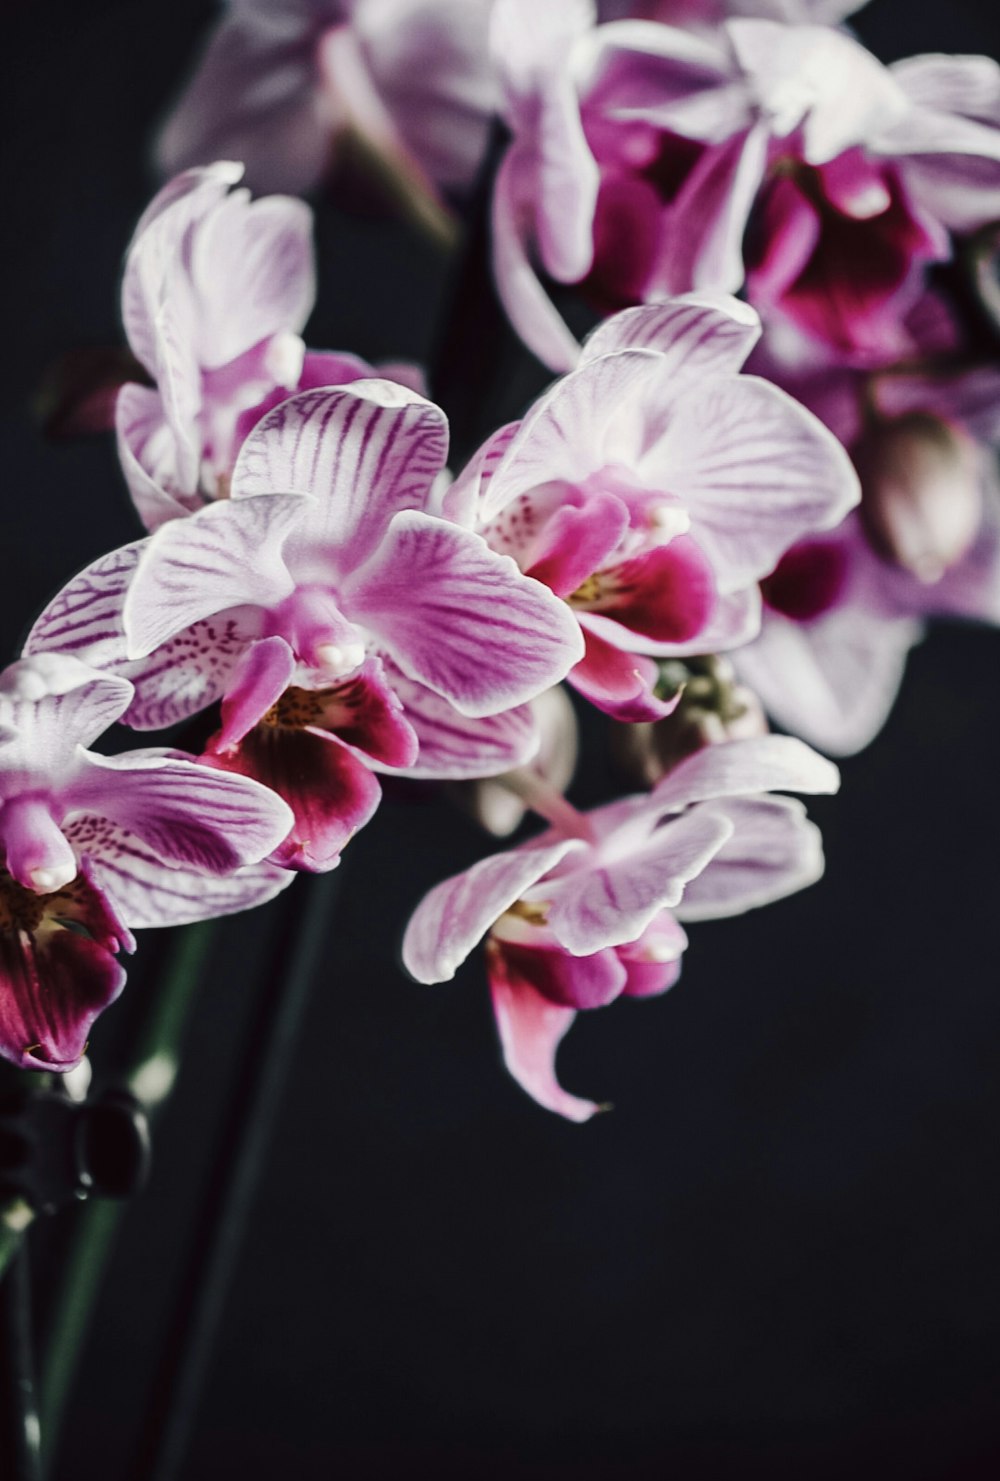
(777, 1257)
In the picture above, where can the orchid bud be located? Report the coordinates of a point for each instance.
(921, 502)
(713, 708)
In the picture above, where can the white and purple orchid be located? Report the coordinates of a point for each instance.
(217, 288)
(649, 159)
(282, 82)
(342, 621)
(652, 488)
(590, 911)
(94, 846)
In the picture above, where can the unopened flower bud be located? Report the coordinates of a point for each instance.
(922, 502)
(713, 708)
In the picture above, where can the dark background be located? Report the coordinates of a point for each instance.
(777, 1257)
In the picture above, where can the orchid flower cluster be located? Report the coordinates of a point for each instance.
(768, 462)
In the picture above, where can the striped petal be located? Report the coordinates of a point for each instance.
(460, 619)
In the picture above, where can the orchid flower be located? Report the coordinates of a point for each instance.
(590, 911)
(841, 611)
(96, 845)
(283, 81)
(343, 623)
(216, 290)
(642, 153)
(652, 488)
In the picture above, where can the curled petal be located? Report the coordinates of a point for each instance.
(740, 768)
(580, 982)
(448, 922)
(145, 450)
(52, 990)
(619, 683)
(773, 852)
(331, 793)
(260, 678)
(531, 1029)
(699, 334)
(653, 960)
(51, 703)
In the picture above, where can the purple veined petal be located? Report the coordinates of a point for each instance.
(588, 420)
(254, 97)
(832, 681)
(530, 41)
(85, 617)
(156, 245)
(191, 815)
(774, 851)
(741, 768)
(454, 747)
(364, 452)
(259, 679)
(51, 989)
(227, 555)
(152, 893)
(462, 620)
(698, 334)
(50, 704)
(529, 307)
(531, 1029)
(754, 470)
(457, 913)
(331, 792)
(191, 670)
(251, 266)
(146, 452)
(820, 79)
(614, 901)
(461, 502)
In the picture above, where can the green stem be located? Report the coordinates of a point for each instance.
(150, 1079)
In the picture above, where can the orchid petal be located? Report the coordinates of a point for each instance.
(579, 982)
(365, 452)
(52, 703)
(530, 1029)
(260, 678)
(460, 619)
(145, 444)
(225, 556)
(51, 990)
(754, 470)
(85, 617)
(331, 793)
(529, 308)
(453, 747)
(151, 893)
(741, 768)
(457, 913)
(698, 334)
(615, 901)
(190, 814)
(653, 960)
(774, 851)
(619, 683)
